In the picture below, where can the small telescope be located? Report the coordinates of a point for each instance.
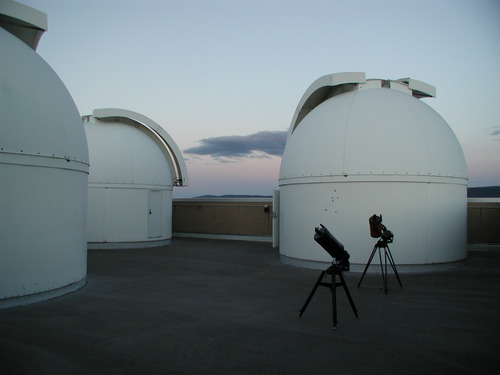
(332, 246)
(378, 230)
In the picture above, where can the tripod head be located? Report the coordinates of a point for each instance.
(379, 230)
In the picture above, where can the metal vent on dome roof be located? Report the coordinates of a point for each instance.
(24, 22)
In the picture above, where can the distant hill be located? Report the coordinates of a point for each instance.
(475, 192)
(234, 196)
(484, 192)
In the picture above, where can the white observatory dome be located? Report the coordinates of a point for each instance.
(43, 170)
(134, 165)
(360, 147)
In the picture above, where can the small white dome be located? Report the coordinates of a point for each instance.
(134, 165)
(121, 153)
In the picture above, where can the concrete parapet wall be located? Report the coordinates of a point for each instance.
(250, 218)
(231, 217)
(483, 220)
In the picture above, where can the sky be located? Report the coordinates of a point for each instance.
(223, 77)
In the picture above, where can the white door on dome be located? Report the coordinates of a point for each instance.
(155, 214)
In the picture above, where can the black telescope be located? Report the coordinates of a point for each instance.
(332, 246)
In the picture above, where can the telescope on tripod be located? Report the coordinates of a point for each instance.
(340, 263)
(379, 230)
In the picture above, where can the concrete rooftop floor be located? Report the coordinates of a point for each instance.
(202, 306)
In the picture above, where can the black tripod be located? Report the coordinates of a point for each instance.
(334, 270)
(382, 244)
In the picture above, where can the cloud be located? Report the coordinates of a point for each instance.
(496, 133)
(262, 144)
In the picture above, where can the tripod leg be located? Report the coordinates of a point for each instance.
(334, 301)
(312, 292)
(348, 294)
(384, 276)
(367, 264)
(393, 265)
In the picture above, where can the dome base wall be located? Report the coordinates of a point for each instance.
(127, 245)
(8, 303)
(129, 214)
(43, 241)
(428, 219)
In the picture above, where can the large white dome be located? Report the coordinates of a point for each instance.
(360, 147)
(43, 174)
(371, 132)
(38, 112)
